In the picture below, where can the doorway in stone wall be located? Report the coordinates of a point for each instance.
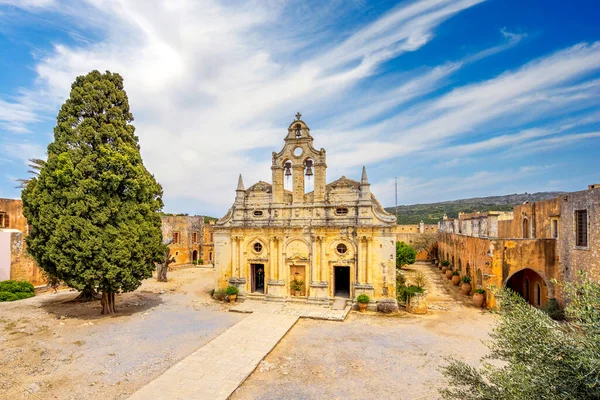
(258, 278)
(297, 280)
(341, 282)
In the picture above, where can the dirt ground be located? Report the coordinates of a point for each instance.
(51, 348)
(370, 356)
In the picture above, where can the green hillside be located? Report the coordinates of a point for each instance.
(433, 212)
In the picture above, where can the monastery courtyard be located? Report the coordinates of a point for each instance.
(50, 347)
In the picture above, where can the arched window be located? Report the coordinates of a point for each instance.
(459, 264)
(525, 228)
(210, 256)
(538, 294)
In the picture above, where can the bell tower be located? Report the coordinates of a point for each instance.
(298, 159)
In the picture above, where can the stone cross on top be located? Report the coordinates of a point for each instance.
(298, 116)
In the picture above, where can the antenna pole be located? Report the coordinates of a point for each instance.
(396, 194)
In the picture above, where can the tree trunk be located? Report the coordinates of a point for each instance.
(161, 272)
(108, 303)
(87, 294)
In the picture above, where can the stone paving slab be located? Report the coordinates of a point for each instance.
(301, 310)
(215, 370)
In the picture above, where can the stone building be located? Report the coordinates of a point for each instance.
(187, 235)
(279, 242)
(529, 248)
(15, 263)
(410, 233)
(208, 245)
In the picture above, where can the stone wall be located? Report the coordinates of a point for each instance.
(189, 235)
(572, 257)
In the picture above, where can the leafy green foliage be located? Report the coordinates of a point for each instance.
(479, 291)
(455, 273)
(297, 284)
(419, 279)
(219, 294)
(534, 356)
(231, 290)
(405, 254)
(445, 263)
(465, 279)
(94, 206)
(406, 292)
(363, 298)
(433, 212)
(15, 290)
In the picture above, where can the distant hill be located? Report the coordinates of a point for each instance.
(433, 212)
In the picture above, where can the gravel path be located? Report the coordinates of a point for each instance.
(371, 356)
(57, 350)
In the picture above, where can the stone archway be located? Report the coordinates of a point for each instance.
(532, 286)
(194, 255)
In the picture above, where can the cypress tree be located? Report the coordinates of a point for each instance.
(94, 207)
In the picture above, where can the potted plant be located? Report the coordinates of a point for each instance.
(466, 285)
(479, 297)
(297, 285)
(232, 293)
(455, 278)
(362, 300)
(444, 265)
(449, 273)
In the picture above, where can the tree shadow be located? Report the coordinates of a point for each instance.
(127, 304)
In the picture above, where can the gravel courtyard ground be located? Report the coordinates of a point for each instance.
(53, 349)
(370, 356)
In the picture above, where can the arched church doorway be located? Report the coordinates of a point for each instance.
(195, 255)
(529, 285)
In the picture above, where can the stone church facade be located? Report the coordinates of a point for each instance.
(333, 241)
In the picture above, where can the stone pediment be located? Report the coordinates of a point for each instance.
(298, 257)
(344, 183)
(260, 186)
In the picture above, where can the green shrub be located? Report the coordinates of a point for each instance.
(219, 294)
(466, 279)
(200, 261)
(445, 263)
(195, 262)
(15, 290)
(455, 273)
(409, 291)
(480, 291)
(363, 298)
(231, 290)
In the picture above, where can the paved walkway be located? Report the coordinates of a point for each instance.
(215, 370)
(301, 310)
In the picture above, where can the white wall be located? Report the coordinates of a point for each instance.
(5, 256)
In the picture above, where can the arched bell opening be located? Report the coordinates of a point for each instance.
(309, 179)
(288, 176)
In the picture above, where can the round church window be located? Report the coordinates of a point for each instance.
(257, 247)
(298, 151)
(342, 248)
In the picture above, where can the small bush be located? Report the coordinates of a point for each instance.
(480, 291)
(200, 261)
(231, 290)
(195, 262)
(445, 263)
(466, 279)
(15, 290)
(419, 279)
(212, 292)
(219, 294)
(363, 298)
(408, 292)
(455, 273)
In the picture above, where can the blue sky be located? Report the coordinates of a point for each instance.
(455, 98)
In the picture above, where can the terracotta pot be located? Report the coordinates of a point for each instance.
(232, 298)
(455, 279)
(362, 306)
(465, 288)
(444, 269)
(478, 299)
(449, 273)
